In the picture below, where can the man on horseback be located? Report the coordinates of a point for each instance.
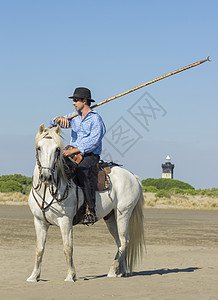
(87, 131)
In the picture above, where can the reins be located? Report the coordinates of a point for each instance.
(42, 207)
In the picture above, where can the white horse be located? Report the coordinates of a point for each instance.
(54, 200)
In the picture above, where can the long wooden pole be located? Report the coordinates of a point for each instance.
(145, 84)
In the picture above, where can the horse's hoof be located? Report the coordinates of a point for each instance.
(111, 275)
(70, 278)
(32, 279)
(120, 275)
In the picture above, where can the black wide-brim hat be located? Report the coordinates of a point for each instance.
(81, 93)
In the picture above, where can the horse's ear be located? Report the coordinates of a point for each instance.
(41, 128)
(58, 130)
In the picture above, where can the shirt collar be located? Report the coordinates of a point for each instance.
(89, 113)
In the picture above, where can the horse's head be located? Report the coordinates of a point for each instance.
(48, 151)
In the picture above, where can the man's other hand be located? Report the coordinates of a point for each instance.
(63, 122)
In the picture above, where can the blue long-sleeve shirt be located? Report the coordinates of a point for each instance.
(87, 133)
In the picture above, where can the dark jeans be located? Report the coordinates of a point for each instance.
(87, 176)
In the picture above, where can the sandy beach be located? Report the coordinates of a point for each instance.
(181, 260)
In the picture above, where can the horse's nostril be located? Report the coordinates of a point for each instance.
(45, 177)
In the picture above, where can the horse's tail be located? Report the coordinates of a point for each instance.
(136, 245)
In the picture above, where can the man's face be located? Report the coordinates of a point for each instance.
(78, 104)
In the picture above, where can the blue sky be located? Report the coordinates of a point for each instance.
(50, 47)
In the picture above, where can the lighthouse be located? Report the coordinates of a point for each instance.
(167, 168)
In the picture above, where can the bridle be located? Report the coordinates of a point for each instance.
(53, 185)
(52, 170)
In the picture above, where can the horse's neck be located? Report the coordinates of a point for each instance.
(60, 180)
(37, 186)
(36, 176)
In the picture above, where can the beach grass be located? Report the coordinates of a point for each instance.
(181, 201)
(15, 198)
(176, 201)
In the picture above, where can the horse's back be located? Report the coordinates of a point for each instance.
(126, 185)
(124, 192)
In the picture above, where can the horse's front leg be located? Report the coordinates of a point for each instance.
(67, 236)
(41, 234)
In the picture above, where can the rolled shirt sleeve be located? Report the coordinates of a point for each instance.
(52, 123)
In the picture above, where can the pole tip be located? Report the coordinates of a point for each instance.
(208, 58)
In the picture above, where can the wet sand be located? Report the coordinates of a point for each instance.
(181, 259)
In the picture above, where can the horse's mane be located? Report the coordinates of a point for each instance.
(51, 133)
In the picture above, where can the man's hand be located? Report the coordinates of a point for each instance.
(63, 122)
(70, 151)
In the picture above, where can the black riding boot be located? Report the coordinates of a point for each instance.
(87, 180)
(90, 216)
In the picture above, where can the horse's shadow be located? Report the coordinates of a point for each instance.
(148, 273)
(165, 271)
(42, 280)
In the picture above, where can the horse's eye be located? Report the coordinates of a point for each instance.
(38, 148)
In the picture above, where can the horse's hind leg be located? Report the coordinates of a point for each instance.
(118, 267)
(122, 225)
(41, 233)
(118, 227)
(67, 237)
(112, 227)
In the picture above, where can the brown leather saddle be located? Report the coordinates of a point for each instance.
(101, 176)
(103, 180)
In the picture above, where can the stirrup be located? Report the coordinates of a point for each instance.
(89, 219)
